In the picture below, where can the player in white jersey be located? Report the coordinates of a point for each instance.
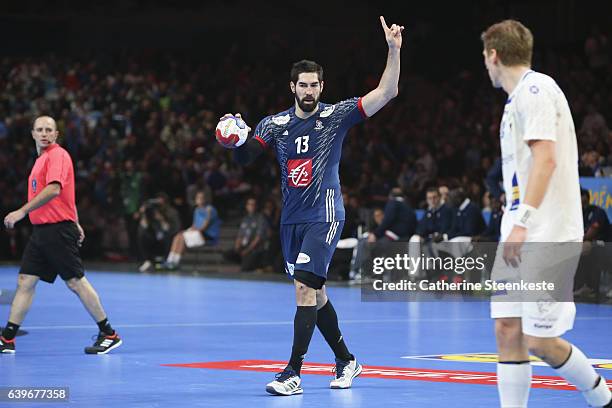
(540, 170)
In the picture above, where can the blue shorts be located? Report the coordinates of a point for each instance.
(310, 246)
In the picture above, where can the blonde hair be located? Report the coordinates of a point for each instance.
(512, 41)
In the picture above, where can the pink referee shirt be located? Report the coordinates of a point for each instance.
(54, 165)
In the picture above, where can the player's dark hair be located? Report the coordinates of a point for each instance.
(305, 66)
(432, 190)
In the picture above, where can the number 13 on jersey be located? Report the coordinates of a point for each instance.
(302, 144)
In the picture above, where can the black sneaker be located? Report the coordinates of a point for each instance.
(7, 346)
(104, 343)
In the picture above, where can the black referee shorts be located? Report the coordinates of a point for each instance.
(53, 250)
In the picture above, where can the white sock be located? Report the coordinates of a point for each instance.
(578, 371)
(513, 384)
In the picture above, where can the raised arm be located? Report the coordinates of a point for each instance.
(387, 88)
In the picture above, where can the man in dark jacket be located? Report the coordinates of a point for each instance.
(467, 219)
(399, 221)
(594, 254)
(437, 219)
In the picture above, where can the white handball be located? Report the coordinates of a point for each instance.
(231, 132)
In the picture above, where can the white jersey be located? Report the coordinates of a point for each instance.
(537, 110)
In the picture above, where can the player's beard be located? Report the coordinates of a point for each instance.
(307, 107)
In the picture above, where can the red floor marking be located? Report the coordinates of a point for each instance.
(395, 373)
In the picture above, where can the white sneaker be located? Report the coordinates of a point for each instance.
(286, 383)
(146, 265)
(345, 372)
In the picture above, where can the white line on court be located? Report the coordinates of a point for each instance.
(279, 323)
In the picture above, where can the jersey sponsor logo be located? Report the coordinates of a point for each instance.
(281, 120)
(300, 172)
(34, 184)
(286, 133)
(327, 111)
(302, 258)
(318, 125)
(492, 358)
(387, 373)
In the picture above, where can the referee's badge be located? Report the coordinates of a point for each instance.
(33, 185)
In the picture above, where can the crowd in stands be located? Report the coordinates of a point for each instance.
(140, 126)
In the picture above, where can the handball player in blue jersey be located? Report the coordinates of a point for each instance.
(307, 139)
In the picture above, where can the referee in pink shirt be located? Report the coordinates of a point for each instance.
(53, 248)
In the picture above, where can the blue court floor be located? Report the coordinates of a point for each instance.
(182, 320)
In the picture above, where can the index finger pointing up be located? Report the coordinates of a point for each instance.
(384, 23)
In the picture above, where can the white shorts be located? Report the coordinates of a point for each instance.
(543, 313)
(193, 238)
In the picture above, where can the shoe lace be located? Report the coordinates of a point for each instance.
(98, 338)
(339, 368)
(285, 375)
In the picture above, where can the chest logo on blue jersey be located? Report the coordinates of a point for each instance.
(34, 184)
(300, 172)
(318, 125)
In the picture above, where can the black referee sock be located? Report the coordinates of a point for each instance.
(105, 327)
(10, 331)
(303, 327)
(327, 322)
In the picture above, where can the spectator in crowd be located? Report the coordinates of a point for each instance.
(594, 257)
(443, 190)
(494, 179)
(437, 220)
(493, 230)
(203, 231)
(591, 164)
(467, 219)
(170, 213)
(432, 227)
(252, 239)
(154, 233)
(131, 182)
(362, 251)
(398, 222)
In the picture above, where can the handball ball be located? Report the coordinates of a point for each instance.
(231, 132)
